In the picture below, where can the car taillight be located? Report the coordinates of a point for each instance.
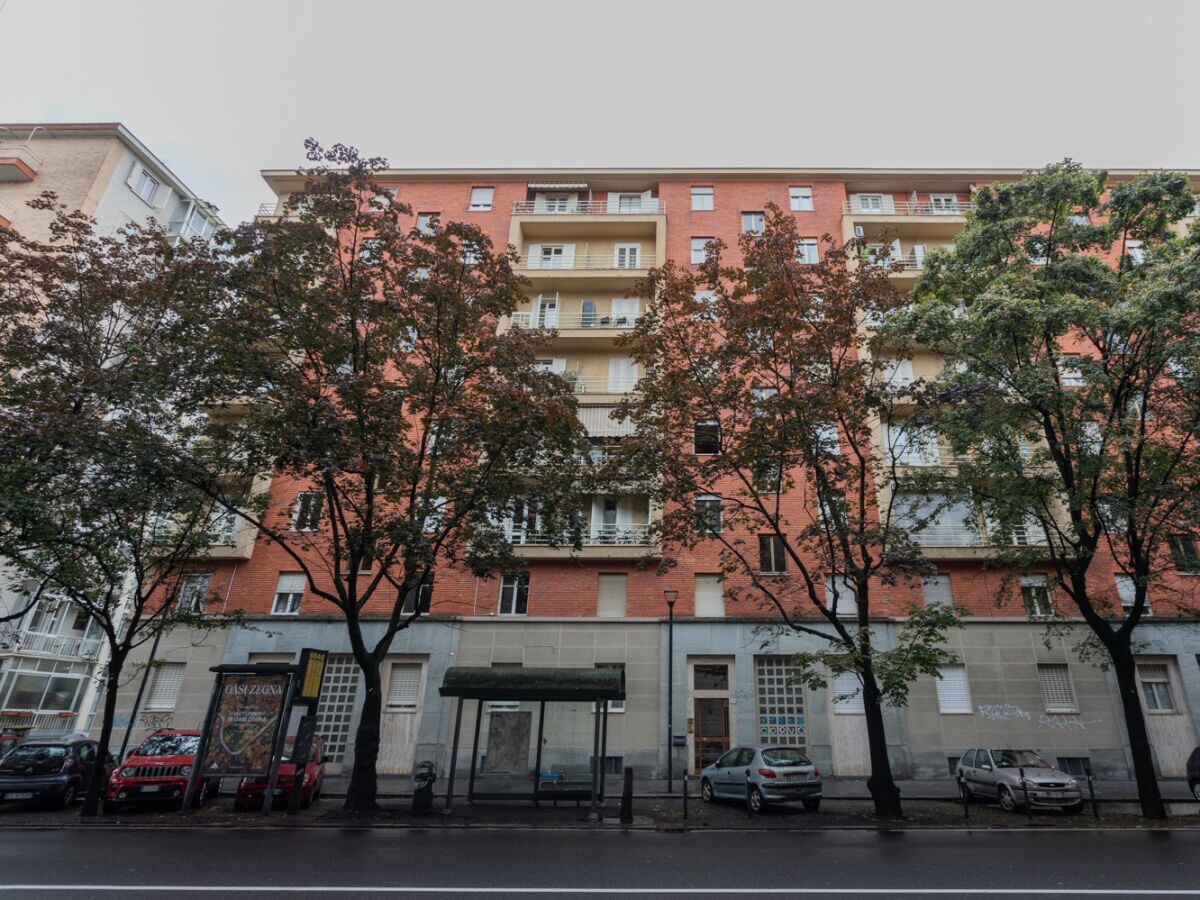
(816, 772)
(767, 773)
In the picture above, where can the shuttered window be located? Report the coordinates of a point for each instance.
(953, 692)
(164, 691)
(846, 693)
(800, 199)
(481, 199)
(710, 595)
(288, 593)
(404, 685)
(936, 590)
(1057, 691)
(612, 595)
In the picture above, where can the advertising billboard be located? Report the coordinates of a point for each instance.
(245, 722)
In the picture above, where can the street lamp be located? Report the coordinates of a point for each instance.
(671, 595)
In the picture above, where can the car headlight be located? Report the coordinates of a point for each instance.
(127, 772)
(1073, 783)
(185, 771)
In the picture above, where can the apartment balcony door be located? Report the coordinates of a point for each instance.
(627, 256)
(545, 312)
(622, 375)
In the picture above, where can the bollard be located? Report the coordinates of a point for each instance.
(1025, 790)
(627, 797)
(749, 788)
(1092, 795)
(966, 798)
(685, 795)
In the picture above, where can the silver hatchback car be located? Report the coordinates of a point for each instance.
(775, 775)
(989, 774)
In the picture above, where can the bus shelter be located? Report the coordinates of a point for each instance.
(593, 687)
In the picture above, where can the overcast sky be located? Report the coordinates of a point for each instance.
(220, 89)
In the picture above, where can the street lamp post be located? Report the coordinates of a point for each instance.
(671, 595)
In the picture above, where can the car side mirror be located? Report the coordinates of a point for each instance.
(986, 767)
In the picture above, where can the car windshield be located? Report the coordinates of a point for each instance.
(36, 755)
(1008, 759)
(784, 756)
(169, 745)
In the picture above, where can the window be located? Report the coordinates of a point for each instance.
(307, 513)
(1079, 766)
(481, 199)
(1079, 219)
(827, 440)
(404, 686)
(1058, 694)
(288, 594)
(913, 446)
(1136, 252)
(627, 256)
(1155, 680)
(1035, 594)
(553, 256)
(222, 526)
(612, 595)
(706, 438)
(699, 251)
(953, 692)
(610, 765)
(847, 693)
(772, 559)
(780, 702)
(427, 222)
(800, 199)
(559, 203)
(896, 373)
(702, 199)
(709, 593)
(614, 706)
(806, 252)
(418, 599)
(752, 223)
(708, 514)
(706, 302)
(935, 589)
(1183, 552)
(943, 204)
(629, 203)
(193, 592)
(870, 203)
(145, 186)
(164, 690)
(840, 596)
(1069, 373)
(1126, 591)
(514, 593)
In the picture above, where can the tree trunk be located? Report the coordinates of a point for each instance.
(881, 784)
(363, 793)
(1135, 725)
(96, 784)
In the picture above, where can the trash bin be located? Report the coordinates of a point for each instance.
(423, 778)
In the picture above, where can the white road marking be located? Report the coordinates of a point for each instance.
(392, 889)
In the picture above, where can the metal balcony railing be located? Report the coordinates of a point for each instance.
(69, 646)
(907, 208)
(652, 206)
(23, 719)
(591, 261)
(269, 209)
(599, 384)
(949, 536)
(592, 536)
(571, 320)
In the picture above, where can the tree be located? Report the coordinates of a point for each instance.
(1067, 317)
(767, 367)
(95, 335)
(379, 384)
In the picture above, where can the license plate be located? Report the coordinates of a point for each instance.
(19, 795)
(148, 788)
(1054, 795)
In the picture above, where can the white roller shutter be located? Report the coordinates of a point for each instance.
(168, 678)
(953, 691)
(404, 685)
(1058, 693)
(846, 693)
(596, 420)
(710, 596)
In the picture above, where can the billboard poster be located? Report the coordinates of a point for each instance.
(245, 723)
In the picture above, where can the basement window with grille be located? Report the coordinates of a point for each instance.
(1058, 693)
(1079, 766)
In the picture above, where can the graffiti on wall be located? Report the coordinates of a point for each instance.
(1003, 712)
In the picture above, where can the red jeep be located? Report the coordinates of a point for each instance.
(158, 770)
(251, 788)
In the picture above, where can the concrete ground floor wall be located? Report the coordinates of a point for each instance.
(1017, 684)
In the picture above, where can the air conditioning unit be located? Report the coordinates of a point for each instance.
(858, 231)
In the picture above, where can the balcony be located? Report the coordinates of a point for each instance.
(565, 321)
(8, 212)
(599, 384)
(641, 207)
(591, 262)
(908, 208)
(963, 542)
(18, 162)
(622, 541)
(272, 210)
(36, 643)
(28, 720)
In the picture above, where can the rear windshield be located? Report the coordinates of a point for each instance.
(1009, 759)
(169, 745)
(36, 754)
(784, 756)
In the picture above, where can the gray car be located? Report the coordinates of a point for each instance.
(775, 775)
(50, 771)
(991, 774)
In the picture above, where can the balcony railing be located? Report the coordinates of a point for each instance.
(27, 719)
(590, 261)
(588, 208)
(962, 536)
(571, 320)
(15, 641)
(593, 536)
(268, 209)
(908, 208)
(599, 384)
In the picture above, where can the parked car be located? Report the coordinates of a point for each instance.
(991, 774)
(251, 788)
(1193, 773)
(775, 774)
(158, 769)
(51, 771)
(8, 740)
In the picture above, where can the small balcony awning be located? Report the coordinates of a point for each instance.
(557, 185)
(583, 685)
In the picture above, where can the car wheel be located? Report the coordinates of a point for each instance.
(67, 797)
(1008, 803)
(111, 807)
(214, 789)
(1196, 789)
(811, 805)
(706, 791)
(757, 803)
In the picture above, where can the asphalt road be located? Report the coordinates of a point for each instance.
(250, 864)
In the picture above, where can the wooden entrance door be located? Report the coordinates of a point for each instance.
(712, 730)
